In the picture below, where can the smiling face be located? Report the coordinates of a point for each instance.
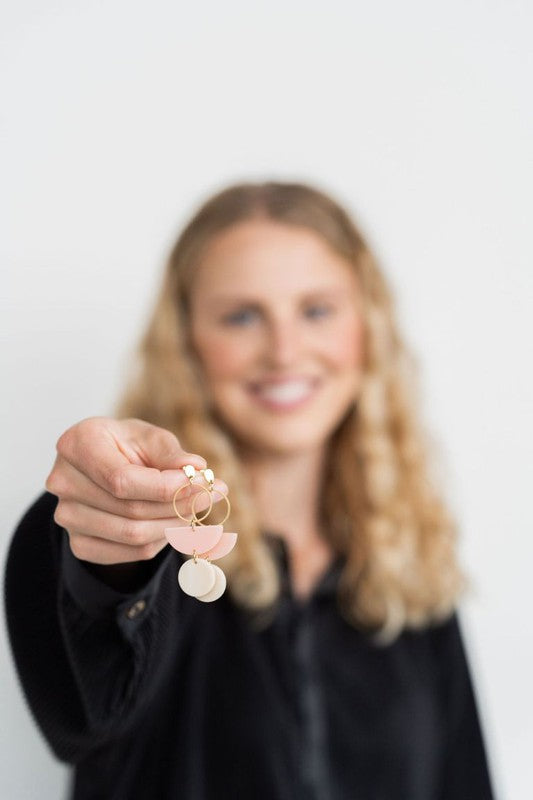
(276, 325)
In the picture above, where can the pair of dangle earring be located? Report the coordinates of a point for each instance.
(197, 576)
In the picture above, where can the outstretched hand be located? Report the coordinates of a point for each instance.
(115, 480)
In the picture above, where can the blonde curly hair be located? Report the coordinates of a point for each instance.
(379, 504)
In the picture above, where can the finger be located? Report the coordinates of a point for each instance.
(78, 518)
(99, 551)
(68, 483)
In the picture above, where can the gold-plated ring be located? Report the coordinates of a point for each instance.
(228, 504)
(194, 519)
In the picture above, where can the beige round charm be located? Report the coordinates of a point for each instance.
(196, 577)
(218, 589)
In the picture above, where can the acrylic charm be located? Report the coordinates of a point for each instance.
(218, 587)
(200, 539)
(196, 576)
(225, 545)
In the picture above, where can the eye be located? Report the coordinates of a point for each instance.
(318, 310)
(243, 316)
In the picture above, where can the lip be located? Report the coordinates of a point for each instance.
(283, 405)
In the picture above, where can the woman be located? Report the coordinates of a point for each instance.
(333, 666)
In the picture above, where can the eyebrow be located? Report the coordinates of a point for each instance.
(322, 293)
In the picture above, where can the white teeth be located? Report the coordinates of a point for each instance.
(288, 392)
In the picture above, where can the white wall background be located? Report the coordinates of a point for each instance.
(118, 117)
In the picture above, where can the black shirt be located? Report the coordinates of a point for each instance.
(154, 695)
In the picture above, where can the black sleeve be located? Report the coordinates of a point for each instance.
(88, 657)
(466, 772)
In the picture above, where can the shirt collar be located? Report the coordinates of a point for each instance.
(327, 583)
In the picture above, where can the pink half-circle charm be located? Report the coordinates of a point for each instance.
(224, 546)
(186, 540)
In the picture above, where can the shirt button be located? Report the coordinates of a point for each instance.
(136, 609)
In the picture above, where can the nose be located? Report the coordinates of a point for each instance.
(284, 342)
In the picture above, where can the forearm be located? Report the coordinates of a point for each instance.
(88, 656)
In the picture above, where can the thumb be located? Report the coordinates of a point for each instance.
(149, 445)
